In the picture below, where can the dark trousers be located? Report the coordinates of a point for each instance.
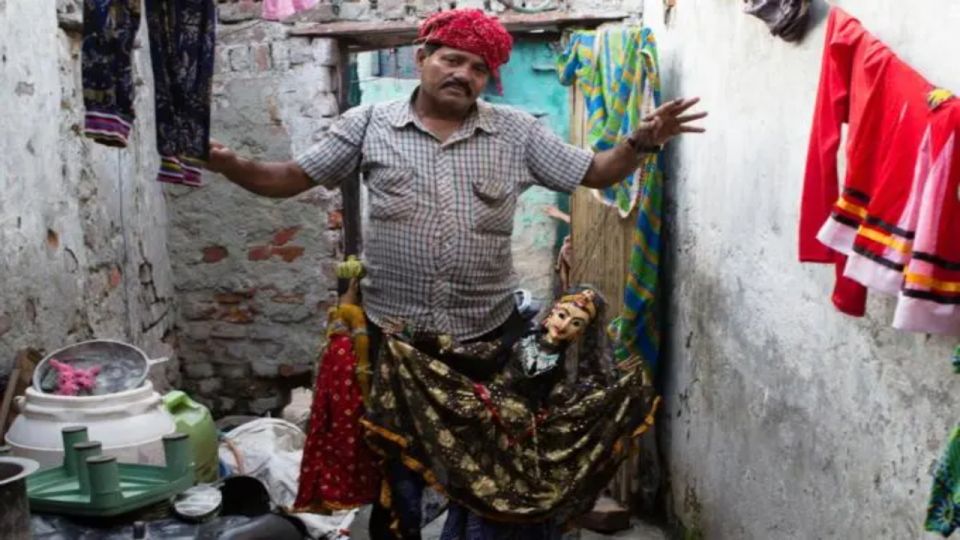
(181, 35)
(407, 486)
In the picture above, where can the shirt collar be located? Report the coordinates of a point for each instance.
(482, 117)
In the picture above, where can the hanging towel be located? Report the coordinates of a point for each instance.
(616, 69)
(615, 110)
(276, 10)
(637, 331)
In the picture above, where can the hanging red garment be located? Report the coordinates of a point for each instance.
(338, 470)
(852, 60)
(883, 145)
(883, 244)
(929, 300)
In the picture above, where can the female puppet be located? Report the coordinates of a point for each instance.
(338, 470)
(534, 444)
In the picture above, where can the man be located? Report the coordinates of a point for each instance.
(444, 170)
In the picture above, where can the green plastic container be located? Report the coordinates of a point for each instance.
(91, 484)
(195, 420)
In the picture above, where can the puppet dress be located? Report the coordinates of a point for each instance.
(338, 470)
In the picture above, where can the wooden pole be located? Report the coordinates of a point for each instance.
(350, 188)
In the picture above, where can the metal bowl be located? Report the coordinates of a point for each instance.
(122, 366)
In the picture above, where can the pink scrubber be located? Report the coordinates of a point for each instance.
(72, 381)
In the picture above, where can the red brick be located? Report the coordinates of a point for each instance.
(288, 370)
(259, 253)
(214, 254)
(261, 57)
(288, 298)
(284, 236)
(229, 298)
(237, 315)
(199, 312)
(116, 277)
(335, 220)
(289, 253)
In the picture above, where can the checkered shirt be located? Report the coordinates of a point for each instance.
(437, 248)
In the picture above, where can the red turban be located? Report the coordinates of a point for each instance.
(469, 30)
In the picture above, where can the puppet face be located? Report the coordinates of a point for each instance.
(569, 318)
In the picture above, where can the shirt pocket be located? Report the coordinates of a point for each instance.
(494, 202)
(392, 196)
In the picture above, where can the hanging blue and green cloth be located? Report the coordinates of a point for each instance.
(617, 70)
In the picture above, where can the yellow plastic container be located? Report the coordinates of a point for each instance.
(195, 420)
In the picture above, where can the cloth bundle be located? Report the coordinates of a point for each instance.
(785, 18)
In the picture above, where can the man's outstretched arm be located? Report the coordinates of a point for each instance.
(277, 180)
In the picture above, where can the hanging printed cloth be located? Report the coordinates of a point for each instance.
(943, 510)
(616, 69)
(492, 451)
(637, 330)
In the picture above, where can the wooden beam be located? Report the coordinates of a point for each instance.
(368, 35)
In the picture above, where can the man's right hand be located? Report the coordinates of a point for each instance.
(278, 180)
(221, 158)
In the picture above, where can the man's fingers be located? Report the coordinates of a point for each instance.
(672, 108)
(676, 106)
(685, 104)
(683, 119)
(668, 106)
(692, 129)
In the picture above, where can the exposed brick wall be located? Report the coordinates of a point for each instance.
(255, 276)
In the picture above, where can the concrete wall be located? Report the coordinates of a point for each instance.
(784, 418)
(254, 275)
(82, 227)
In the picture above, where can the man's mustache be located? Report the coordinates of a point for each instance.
(463, 86)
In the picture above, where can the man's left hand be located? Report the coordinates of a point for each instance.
(665, 123)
